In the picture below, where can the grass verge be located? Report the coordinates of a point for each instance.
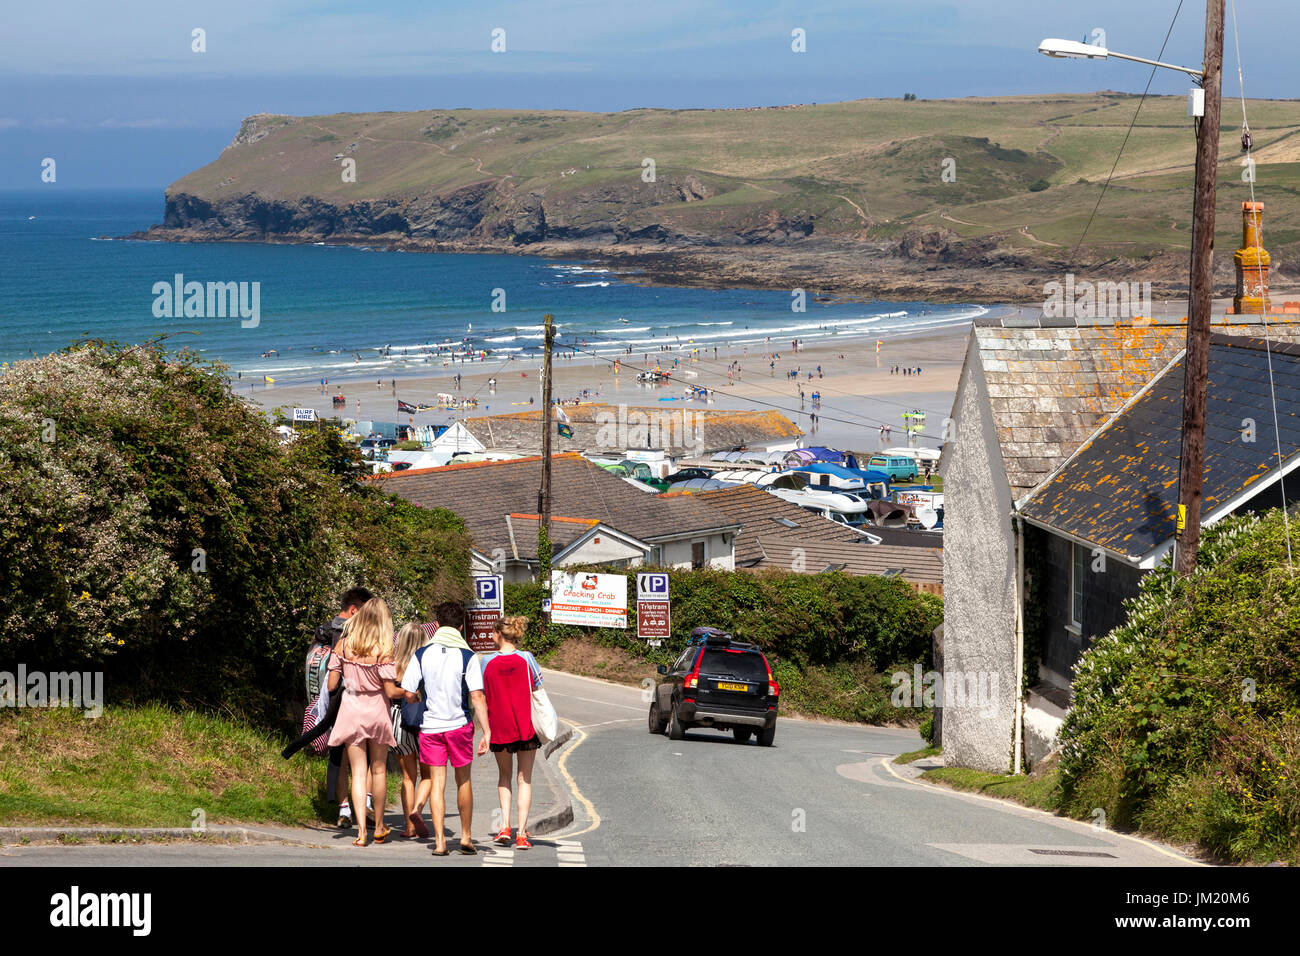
(1041, 791)
(149, 767)
(913, 755)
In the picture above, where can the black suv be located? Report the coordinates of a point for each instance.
(719, 683)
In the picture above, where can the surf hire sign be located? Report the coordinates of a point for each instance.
(589, 600)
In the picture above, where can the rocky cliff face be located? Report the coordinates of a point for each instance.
(488, 212)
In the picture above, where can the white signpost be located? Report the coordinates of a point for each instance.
(304, 414)
(589, 600)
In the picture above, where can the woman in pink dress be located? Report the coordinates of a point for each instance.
(363, 660)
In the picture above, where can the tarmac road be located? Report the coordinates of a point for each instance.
(824, 794)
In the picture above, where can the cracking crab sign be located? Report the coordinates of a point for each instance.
(589, 600)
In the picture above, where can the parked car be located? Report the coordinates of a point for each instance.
(897, 467)
(719, 683)
(370, 447)
(686, 474)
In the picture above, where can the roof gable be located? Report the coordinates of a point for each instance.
(1052, 383)
(1120, 491)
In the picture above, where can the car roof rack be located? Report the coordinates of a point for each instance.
(715, 637)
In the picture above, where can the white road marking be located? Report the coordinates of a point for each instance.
(592, 700)
(621, 720)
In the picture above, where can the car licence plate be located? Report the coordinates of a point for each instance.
(722, 685)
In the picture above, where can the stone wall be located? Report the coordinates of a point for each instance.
(979, 571)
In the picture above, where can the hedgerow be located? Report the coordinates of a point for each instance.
(1186, 719)
(835, 638)
(153, 526)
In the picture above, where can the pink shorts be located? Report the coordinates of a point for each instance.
(456, 746)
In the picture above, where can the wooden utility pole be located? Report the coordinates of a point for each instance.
(544, 494)
(1196, 364)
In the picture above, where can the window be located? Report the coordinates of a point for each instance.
(656, 556)
(786, 522)
(1077, 558)
(697, 554)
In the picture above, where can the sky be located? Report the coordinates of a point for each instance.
(118, 95)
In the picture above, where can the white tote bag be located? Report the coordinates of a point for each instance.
(545, 723)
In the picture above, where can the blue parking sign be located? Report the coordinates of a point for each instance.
(487, 592)
(652, 584)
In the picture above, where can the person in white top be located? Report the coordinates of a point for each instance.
(452, 679)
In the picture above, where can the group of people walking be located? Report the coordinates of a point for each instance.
(447, 690)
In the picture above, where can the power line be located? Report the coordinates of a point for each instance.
(1075, 251)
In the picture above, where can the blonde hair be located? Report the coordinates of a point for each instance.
(370, 632)
(512, 628)
(408, 642)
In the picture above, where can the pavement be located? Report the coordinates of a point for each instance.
(612, 794)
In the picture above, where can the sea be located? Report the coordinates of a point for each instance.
(341, 312)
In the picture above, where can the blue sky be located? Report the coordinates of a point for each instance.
(114, 92)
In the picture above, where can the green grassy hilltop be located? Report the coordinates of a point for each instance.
(1023, 176)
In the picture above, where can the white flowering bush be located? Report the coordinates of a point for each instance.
(153, 525)
(1186, 718)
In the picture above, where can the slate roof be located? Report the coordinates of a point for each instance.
(764, 542)
(608, 430)
(483, 493)
(1053, 382)
(1120, 490)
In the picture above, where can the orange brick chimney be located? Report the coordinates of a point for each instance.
(1252, 262)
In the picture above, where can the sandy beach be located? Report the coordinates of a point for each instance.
(859, 391)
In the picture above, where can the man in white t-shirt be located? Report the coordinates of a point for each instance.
(452, 679)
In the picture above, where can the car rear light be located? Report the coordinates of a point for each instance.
(693, 678)
(773, 688)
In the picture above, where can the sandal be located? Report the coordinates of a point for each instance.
(360, 842)
(443, 852)
(469, 849)
(382, 837)
(421, 828)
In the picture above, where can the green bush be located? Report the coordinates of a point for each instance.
(1186, 720)
(153, 526)
(833, 638)
(926, 729)
(1038, 185)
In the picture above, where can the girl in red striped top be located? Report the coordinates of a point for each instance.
(509, 678)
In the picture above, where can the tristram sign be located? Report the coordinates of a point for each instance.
(653, 619)
(483, 610)
(589, 600)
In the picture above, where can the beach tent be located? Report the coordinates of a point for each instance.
(800, 456)
(887, 514)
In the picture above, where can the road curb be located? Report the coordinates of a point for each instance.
(14, 836)
(562, 814)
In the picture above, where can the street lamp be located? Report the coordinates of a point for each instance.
(1205, 106)
(1075, 50)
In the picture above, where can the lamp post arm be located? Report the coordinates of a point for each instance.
(1197, 74)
